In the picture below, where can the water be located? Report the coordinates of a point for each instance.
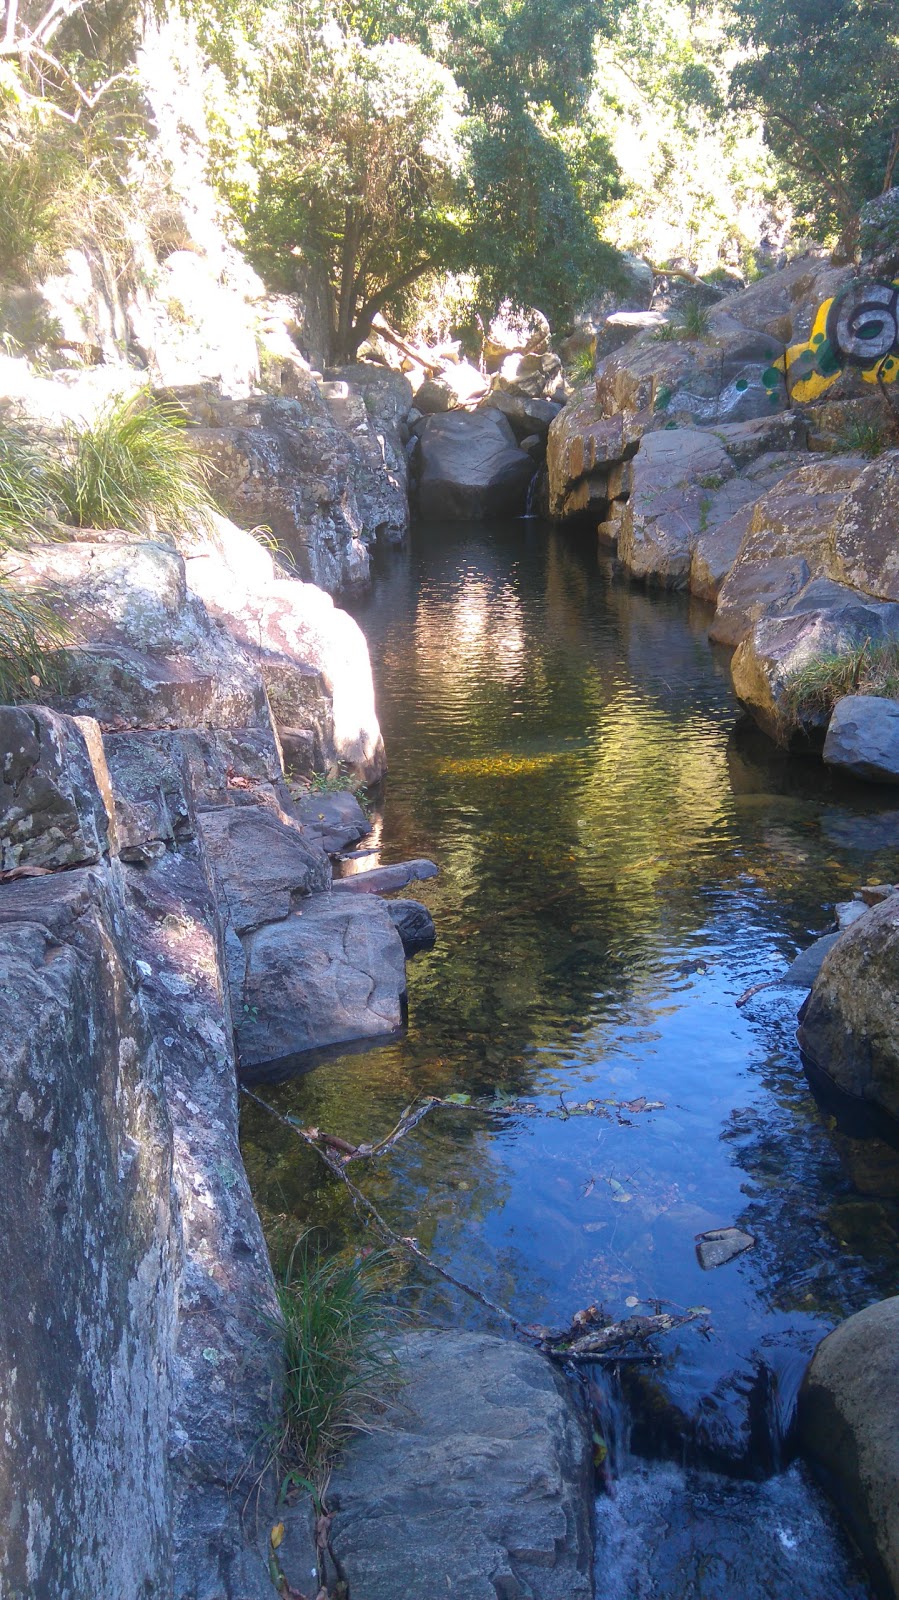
(619, 862)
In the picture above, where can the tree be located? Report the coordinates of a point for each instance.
(825, 78)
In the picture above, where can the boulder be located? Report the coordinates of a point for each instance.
(678, 479)
(331, 972)
(55, 797)
(866, 530)
(531, 374)
(527, 415)
(458, 384)
(849, 1026)
(471, 467)
(847, 1424)
(478, 1484)
(311, 655)
(414, 924)
(263, 863)
(584, 448)
(336, 819)
(730, 376)
(383, 880)
(863, 738)
(823, 618)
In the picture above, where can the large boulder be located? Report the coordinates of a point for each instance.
(863, 738)
(331, 972)
(471, 467)
(822, 619)
(263, 863)
(586, 451)
(479, 1483)
(311, 655)
(849, 1026)
(848, 1406)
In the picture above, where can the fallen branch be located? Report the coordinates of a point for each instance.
(383, 328)
(607, 1342)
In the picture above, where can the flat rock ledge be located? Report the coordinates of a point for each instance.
(479, 1486)
(847, 1418)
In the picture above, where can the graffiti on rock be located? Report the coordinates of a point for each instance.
(859, 327)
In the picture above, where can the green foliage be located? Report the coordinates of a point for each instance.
(582, 366)
(866, 436)
(821, 682)
(692, 320)
(334, 1327)
(133, 466)
(825, 79)
(28, 628)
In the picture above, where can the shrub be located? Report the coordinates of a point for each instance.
(583, 365)
(337, 1359)
(866, 436)
(133, 467)
(691, 322)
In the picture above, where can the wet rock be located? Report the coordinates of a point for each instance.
(720, 1245)
(471, 467)
(863, 738)
(849, 1025)
(847, 1420)
(479, 1484)
(55, 796)
(384, 880)
(802, 972)
(414, 924)
(262, 863)
(848, 911)
(331, 972)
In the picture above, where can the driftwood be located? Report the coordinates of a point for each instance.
(591, 1337)
(383, 328)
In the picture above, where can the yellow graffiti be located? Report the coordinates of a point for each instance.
(814, 364)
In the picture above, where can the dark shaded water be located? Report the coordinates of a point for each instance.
(619, 862)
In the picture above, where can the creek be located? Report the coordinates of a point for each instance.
(620, 859)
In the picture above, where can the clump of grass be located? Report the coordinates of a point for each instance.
(28, 627)
(338, 1362)
(582, 366)
(866, 436)
(816, 687)
(133, 468)
(339, 783)
(690, 323)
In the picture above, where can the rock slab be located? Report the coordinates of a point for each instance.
(849, 1025)
(863, 737)
(479, 1486)
(847, 1420)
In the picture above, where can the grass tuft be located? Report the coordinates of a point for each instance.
(690, 323)
(28, 627)
(133, 467)
(865, 437)
(333, 1322)
(818, 685)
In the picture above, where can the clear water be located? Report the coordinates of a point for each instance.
(619, 861)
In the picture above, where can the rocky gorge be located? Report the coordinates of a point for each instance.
(180, 912)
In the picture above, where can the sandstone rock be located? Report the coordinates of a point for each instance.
(87, 1253)
(863, 738)
(681, 486)
(263, 863)
(824, 618)
(414, 924)
(712, 556)
(729, 377)
(850, 1022)
(747, 591)
(471, 467)
(458, 384)
(847, 1424)
(527, 416)
(532, 374)
(333, 971)
(479, 1485)
(55, 797)
(866, 530)
(582, 448)
(311, 655)
(617, 329)
(804, 969)
(720, 1245)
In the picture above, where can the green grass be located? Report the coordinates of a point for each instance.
(818, 685)
(866, 437)
(28, 628)
(133, 468)
(340, 783)
(691, 323)
(582, 367)
(338, 1363)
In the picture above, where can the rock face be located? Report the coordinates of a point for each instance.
(138, 1368)
(847, 1414)
(849, 1025)
(481, 1484)
(471, 467)
(863, 738)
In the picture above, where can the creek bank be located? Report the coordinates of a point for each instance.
(724, 465)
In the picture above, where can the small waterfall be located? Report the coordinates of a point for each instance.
(532, 508)
(784, 1376)
(612, 1425)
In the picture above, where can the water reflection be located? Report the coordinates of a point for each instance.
(619, 862)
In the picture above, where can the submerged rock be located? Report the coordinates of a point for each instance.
(847, 1419)
(414, 924)
(478, 1484)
